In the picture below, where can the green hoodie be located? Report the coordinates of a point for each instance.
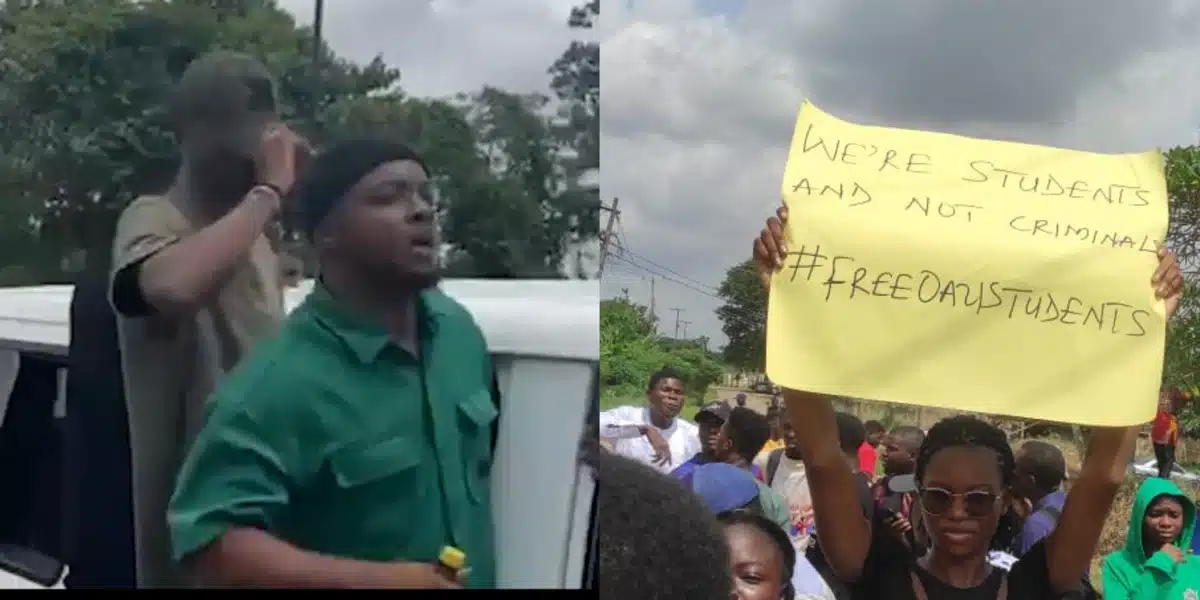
(1128, 574)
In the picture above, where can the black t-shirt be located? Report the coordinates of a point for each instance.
(886, 576)
(814, 554)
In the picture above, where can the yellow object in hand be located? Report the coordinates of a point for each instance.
(455, 560)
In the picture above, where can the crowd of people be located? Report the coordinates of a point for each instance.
(807, 503)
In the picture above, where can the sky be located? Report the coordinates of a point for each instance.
(700, 99)
(443, 47)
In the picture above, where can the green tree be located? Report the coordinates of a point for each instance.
(83, 130)
(630, 351)
(576, 82)
(743, 318)
(1182, 358)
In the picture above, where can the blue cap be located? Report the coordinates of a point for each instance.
(723, 486)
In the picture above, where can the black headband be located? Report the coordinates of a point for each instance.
(336, 170)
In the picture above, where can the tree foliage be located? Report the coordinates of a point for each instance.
(743, 317)
(630, 351)
(84, 130)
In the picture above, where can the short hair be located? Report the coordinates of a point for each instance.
(777, 535)
(661, 374)
(851, 433)
(910, 435)
(873, 426)
(656, 539)
(748, 431)
(966, 431)
(1045, 462)
(220, 78)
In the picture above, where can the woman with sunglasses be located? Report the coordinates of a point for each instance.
(963, 472)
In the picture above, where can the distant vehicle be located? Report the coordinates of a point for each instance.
(763, 387)
(1149, 468)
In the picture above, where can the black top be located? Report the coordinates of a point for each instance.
(887, 576)
(817, 557)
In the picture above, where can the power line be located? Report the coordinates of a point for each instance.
(634, 268)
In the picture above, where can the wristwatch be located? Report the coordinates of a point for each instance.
(267, 192)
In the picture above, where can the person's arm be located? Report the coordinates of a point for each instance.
(1087, 505)
(830, 479)
(615, 426)
(831, 483)
(235, 488)
(156, 272)
(1103, 471)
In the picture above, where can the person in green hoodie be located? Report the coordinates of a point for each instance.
(1155, 563)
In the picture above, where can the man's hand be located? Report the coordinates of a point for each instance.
(899, 527)
(1174, 552)
(662, 450)
(769, 248)
(418, 576)
(1168, 280)
(281, 151)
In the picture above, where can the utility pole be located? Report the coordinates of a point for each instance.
(685, 324)
(653, 314)
(677, 311)
(606, 236)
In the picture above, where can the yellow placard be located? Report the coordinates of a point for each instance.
(944, 271)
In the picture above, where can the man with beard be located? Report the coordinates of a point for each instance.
(350, 449)
(709, 420)
(194, 280)
(653, 434)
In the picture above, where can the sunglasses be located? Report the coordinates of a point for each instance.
(977, 503)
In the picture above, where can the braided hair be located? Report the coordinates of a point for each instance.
(968, 431)
(777, 536)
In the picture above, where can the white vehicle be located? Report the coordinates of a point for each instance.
(544, 338)
(1149, 468)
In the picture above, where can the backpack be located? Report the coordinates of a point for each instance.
(773, 465)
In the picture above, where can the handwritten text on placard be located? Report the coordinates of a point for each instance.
(997, 277)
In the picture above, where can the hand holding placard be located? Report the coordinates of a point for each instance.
(988, 276)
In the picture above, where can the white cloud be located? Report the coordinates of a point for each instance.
(699, 107)
(443, 47)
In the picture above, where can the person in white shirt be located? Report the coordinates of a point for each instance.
(784, 472)
(653, 434)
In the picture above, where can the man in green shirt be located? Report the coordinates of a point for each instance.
(350, 449)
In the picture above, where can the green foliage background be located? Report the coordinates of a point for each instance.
(631, 350)
(83, 130)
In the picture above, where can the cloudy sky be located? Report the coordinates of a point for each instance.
(700, 97)
(447, 46)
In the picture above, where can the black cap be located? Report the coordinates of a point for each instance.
(718, 410)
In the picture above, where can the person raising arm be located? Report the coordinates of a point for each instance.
(963, 473)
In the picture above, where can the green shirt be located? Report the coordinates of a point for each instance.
(774, 506)
(331, 437)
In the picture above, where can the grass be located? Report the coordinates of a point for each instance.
(1115, 527)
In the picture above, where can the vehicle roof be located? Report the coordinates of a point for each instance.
(549, 318)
